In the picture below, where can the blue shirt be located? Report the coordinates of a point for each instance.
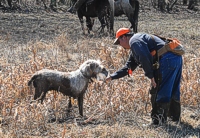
(141, 45)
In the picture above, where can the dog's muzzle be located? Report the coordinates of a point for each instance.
(104, 71)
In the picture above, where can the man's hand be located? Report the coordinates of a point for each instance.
(153, 83)
(108, 79)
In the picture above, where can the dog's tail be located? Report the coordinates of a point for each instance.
(32, 79)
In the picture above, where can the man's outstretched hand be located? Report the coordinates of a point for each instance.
(108, 79)
(153, 83)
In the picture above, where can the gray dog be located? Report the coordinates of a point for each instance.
(73, 84)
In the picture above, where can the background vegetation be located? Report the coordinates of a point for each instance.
(33, 39)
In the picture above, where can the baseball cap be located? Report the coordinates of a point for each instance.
(119, 33)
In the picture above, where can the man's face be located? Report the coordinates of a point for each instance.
(124, 42)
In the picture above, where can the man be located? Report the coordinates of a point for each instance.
(164, 72)
(76, 6)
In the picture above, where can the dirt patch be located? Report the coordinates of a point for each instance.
(22, 28)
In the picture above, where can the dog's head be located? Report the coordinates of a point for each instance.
(94, 68)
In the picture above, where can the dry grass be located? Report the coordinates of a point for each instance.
(117, 109)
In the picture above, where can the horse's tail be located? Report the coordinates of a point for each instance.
(112, 12)
(136, 12)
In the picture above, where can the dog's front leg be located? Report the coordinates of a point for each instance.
(80, 105)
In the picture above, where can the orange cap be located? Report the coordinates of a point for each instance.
(119, 33)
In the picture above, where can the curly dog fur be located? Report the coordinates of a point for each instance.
(73, 84)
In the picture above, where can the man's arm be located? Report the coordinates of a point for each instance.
(130, 64)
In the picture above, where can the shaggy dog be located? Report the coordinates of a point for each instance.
(73, 84)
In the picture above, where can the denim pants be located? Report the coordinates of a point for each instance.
(170, 70)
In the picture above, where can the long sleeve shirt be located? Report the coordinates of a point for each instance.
(141, 45)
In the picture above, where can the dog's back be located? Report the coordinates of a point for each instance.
(46, 75)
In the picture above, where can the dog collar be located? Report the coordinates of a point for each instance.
(86, 76)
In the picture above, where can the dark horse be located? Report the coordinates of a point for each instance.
(103, 9)
(100, 9)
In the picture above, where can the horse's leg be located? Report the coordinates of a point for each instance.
(82, 25)
(131, 11)
(110, 13)
(136, 13)
(107, 22)
(111, 24)
(89, 24)
(102, 21)
(92, 21)
(132, 21)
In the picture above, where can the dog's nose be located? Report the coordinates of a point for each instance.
(104, 71)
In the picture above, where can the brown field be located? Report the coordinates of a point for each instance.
(35, 39)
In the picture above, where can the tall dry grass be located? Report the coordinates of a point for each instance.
(116, 109)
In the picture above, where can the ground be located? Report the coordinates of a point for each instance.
(33, 39)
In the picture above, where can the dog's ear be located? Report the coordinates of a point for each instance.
(87, 68)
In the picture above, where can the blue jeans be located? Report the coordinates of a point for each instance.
(171, 70)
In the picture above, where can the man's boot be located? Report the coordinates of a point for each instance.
(154, 107)
(174, 110)
(159, 113)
